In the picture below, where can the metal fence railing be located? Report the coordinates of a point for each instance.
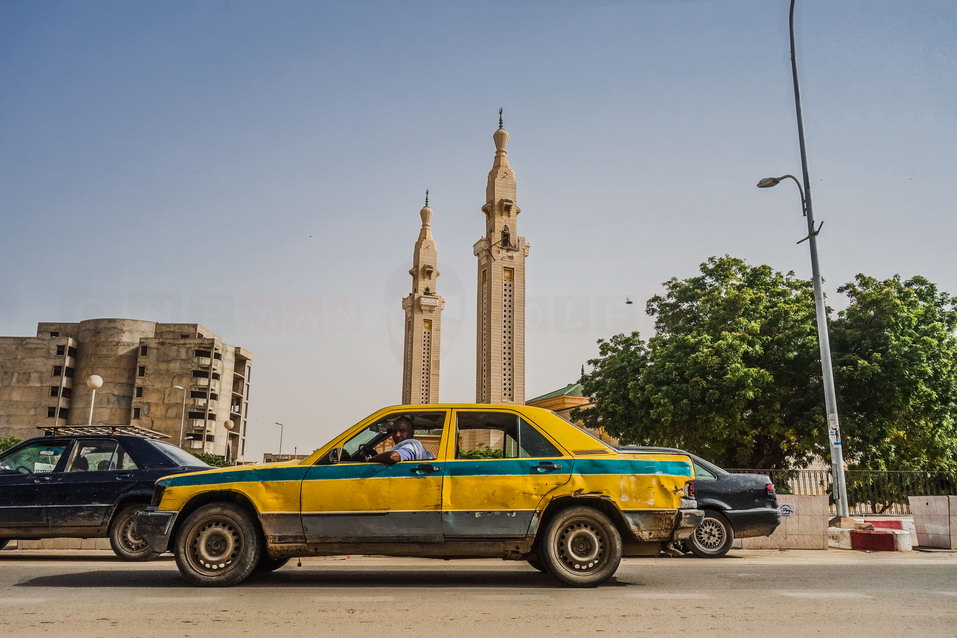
(869, 492)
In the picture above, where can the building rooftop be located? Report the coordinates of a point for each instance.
(570, 390)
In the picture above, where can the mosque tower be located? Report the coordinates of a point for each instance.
(501, 253)
(423, 320)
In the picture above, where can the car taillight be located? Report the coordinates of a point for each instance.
(769, 488)
(689, 489)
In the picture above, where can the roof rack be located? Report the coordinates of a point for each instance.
(107, 430)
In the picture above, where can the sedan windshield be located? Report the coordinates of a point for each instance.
(178, 456)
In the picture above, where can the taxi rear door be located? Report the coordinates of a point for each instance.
(499, 469)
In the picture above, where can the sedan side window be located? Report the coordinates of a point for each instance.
(37, 458)
(702, 474)
(500, 435)
(100, 456)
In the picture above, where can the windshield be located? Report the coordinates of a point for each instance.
(181, 457)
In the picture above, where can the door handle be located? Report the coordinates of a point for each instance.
(123, 477)
(424, 468)
(547, 466)
(42, 479)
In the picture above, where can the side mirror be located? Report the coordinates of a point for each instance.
(334, 456)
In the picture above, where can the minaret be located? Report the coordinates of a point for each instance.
(500, 343)
(423, 320)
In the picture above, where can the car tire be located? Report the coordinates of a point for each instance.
(581, 547)
(126, 543)
(713, 537)
(266, 564)
(218, 545)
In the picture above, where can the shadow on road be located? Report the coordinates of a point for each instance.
(313, 578)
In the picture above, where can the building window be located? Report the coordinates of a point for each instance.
(144, 350)
(54, 390)
(51, 412)
(57, 370)
(66, 393)
(136, 413)
(54, 334)
(141, 371)
(200, 374)
(184, 336)
(61, 349)
(196, 415)
(71, 351)
(218, 355)
(202, 353)
(216, 376)
(139, 391)
(68, 372)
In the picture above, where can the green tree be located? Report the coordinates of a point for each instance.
(731, 372)
(896, 368)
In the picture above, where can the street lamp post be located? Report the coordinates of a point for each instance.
(182, 415)
(93, 382)
(280, 438)
(827, 373)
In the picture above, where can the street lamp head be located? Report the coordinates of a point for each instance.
(768, 182)
(178, 387)
(94, 381)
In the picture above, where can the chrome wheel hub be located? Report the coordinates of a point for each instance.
(710, 534)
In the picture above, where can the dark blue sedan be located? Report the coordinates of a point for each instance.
(85, 482)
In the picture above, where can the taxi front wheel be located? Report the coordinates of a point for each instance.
(218, 545)
(581, 547)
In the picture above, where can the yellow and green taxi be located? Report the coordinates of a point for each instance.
(512, 482)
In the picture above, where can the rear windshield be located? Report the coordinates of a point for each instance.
(180, 457)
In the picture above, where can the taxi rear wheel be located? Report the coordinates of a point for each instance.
(581, 547)
(218, 545)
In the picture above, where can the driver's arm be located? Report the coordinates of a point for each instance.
(386, 458)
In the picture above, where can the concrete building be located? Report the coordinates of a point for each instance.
(42, 381)
(501, 253)
(423, 320)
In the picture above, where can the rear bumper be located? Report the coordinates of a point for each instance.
(155, 527)
(760, 521)
(663, 525)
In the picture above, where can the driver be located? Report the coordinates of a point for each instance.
(406, 448)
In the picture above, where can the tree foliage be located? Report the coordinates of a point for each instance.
(733, 372)
(895, 359)
(725, 374)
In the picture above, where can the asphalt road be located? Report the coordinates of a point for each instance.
(768, 593)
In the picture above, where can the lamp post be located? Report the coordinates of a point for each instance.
(93, 382)
(182, 415)
(827, 373)
(280, 438)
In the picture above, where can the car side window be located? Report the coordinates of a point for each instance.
(37, 458)
(702, 474)
(499, 435)
(100, 456)
(376, 438)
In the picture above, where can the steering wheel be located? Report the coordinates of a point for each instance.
(23, 469)
(365, 452)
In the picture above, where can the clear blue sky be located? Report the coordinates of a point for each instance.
(258, 167)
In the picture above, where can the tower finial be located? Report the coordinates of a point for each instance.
(500, 123)
(426, 197)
